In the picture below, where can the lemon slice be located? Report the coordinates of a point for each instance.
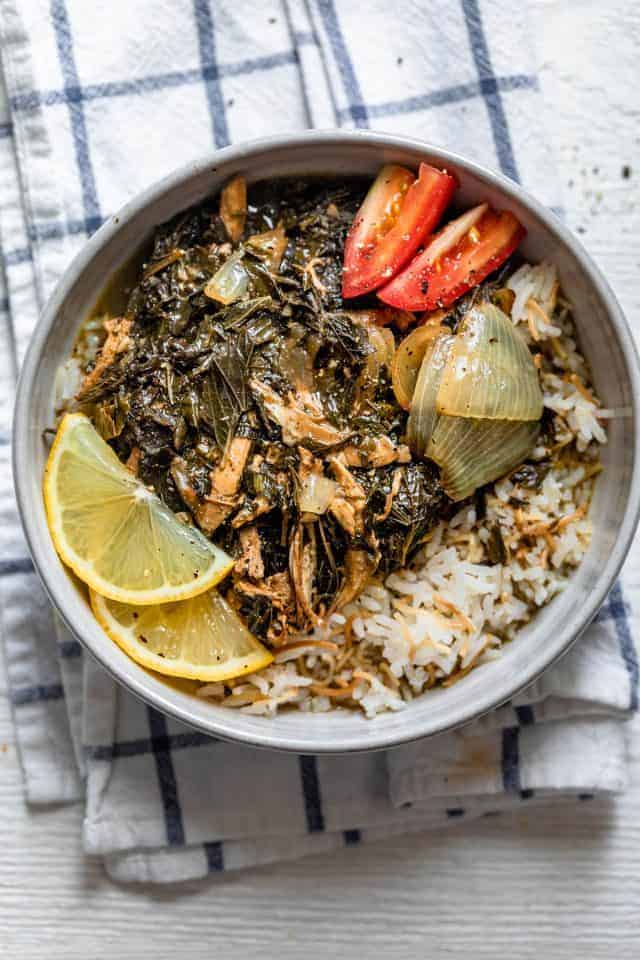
(116, 534)
(201, 638)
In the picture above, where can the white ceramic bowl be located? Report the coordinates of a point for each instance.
(606, 341)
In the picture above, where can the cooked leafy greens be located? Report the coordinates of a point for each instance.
(227, 389)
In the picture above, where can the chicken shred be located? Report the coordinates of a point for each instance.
(118, 342)
(297, 425)
(250, 562)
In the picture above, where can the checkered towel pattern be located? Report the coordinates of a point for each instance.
(100, 99)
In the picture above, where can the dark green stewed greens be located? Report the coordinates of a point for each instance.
(240, 386)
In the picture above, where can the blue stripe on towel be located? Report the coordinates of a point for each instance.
(490, 89)
(311, 793)
(54, 230)
(69, 649)
(511, 759)
(19, 255)
(444, 97)
(136, 748)
(525, 715)
(64, 42)
(166, 777)
(357, 108)
(139, 86)
(206, 40)
(305, 38)
(37, 694)
(617, 609)
(215, 856)
(352, 838)
(16, 565)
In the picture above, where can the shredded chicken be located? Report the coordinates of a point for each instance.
(222, 498)
(226, 478)
(309, 464)
(310, 278)
(270, 245)
(278, 590)
(348, 505)
(375, 452)
(250, 562)
(298, 425)
(395, 489)
(302, 562)
(118, 342)
(345, 514)
(133, 460)
(351, 487)
(180, 477)
(250, 511)
(358, 568)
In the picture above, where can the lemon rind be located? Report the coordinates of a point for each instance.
(250, 663)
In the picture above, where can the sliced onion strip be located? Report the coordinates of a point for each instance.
(422, 416)
(408, 360)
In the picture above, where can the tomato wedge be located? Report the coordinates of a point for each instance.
(398, 212)
(458, 258)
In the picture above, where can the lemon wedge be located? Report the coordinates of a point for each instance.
(113, 532)
(201, 638)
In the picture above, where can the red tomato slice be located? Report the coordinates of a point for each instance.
(458, 258)
(398, 212)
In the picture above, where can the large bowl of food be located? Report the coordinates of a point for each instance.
(345, 442)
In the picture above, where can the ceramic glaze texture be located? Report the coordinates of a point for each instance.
(606, 342)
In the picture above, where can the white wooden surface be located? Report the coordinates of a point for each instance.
(562, 883)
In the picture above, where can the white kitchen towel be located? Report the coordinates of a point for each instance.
(102, 98)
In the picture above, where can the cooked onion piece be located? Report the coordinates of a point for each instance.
(423, 413)
(408, 360)
(477, 402)
(231, 281)
(316, 493)
(490, 372)
(472, 452)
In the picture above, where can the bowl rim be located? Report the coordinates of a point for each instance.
(143, 683)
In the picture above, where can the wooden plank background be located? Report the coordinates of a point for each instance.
(561, 883)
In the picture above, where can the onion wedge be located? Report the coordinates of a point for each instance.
(490, 372)
(472, 452)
